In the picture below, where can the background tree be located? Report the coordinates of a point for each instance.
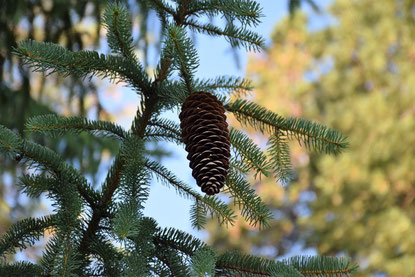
(103, 231)
(356, 76)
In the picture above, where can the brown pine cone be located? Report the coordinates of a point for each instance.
(206, 136)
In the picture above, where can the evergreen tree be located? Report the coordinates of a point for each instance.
(103, 232)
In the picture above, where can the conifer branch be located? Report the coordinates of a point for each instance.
(229, 85)
(10, 143)
(117, 22)
(249, 152)
(43, 57)
(168, 178)
(163, 69)
(166, 125)
(35, 185)
(109, 256)
(68, 261)
(234, 35)
(312, 135)
(247, 12)
(280, 156)
(161, 6)
(59, 256)
(211, 204)
(322, 266)
(158, 136)
(35, 154)
(238, 165)
(173, 261)
(184, 55)
(236, 263)
(172, 93)
(20, 269)
(58, 126)
(134, 179)
(252, 208)
(198, 216)
(178, 240)
(24, 233)
(50, 160)
(204, 262)
(164, 129)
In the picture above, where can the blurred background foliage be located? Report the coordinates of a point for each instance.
(357, 76)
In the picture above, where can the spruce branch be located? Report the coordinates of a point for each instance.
(80, 247)
(168, 178)
(203, 262)
(234, 263)
(280, 156)
(24, 233)
(118, 24)
(163, 68)
(35, 185)
(37, 155)
(216, 207)
(198, 214)
(315, 136)
(312, 135)
(19, 269)
(126, 222)
(238, 165)
(210, 204)
(247, 12)
(52, 58)
(68, 262)
(172, 93)
(163, 129)
(60, 258)
(225, 84)
(184, 54)
(50, 253)
(54, 125)
(144, 262)
(236, 36)
(134, 179)
(182, 9)
(161, 7)
(172, 260)
(166, 125)
(108, 256)
(322, 266)
(250, 153)
(178, 240)
(253, 209)
(10, 142)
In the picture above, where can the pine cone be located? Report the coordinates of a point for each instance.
(206, 136)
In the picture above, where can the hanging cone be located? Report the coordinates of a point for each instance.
(206, 136)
